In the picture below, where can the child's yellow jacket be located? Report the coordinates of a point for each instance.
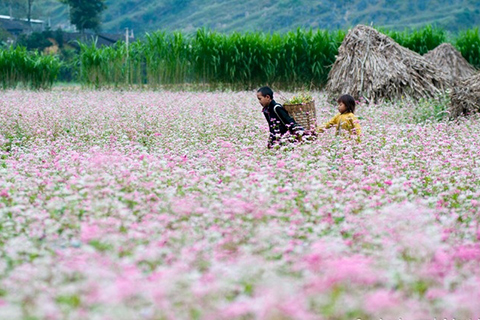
(345, 121)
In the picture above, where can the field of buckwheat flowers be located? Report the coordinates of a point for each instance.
(168, 205)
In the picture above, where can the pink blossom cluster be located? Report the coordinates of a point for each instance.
(168, 205)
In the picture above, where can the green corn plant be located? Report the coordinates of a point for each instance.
(419, 40)
(153, 48)
(112, 66)
(136, 63)
(115, 65)
(90, 65)
(468, 43)
(45, 70)
(13, 66)
(167, 58)
(31, 69)
(208, 57)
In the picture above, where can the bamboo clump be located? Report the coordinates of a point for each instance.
(372, 65)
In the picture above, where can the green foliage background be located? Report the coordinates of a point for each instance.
(29, 68)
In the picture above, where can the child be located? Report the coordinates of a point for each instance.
(279, 121)
(345, 120)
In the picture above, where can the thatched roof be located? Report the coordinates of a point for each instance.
(373, 65)
(450, 62)
(465, 97)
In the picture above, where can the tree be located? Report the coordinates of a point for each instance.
(35, 40)
(85, 14)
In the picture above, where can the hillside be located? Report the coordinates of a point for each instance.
(268, 15)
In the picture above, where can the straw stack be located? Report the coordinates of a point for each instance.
(450, 62)
(465, 97)
(372, 65)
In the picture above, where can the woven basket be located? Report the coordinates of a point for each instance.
(303, 114)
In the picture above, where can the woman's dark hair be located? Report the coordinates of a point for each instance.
(266, 91)
(348, 101)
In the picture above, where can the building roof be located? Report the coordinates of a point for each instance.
(17, 26)
(21, 19)
(13, 25)
(101, 39)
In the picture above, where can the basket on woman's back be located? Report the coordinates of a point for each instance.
(302, 110)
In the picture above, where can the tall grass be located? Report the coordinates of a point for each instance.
(468, 43)
(29, 68)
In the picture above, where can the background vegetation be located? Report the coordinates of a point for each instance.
(29, 68)
(296, 59)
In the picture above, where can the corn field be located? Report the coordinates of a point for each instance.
(238, 61)
(297, 59)
(29, 68)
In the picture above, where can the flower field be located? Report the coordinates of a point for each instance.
(168, 205)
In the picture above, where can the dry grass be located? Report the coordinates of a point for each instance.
(465, 97)
(450, 62)
(372, 65)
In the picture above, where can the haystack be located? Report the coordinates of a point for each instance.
(450, 62)
(465, 97)
(373, 65)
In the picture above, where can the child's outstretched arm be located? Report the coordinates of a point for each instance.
(328, 124)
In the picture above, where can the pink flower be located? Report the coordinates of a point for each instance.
(4, 193)
(468, 252)
(88, 232)
(282, 190)
(435, 293)
(237, 309)
(354, 269)
(381, 300)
